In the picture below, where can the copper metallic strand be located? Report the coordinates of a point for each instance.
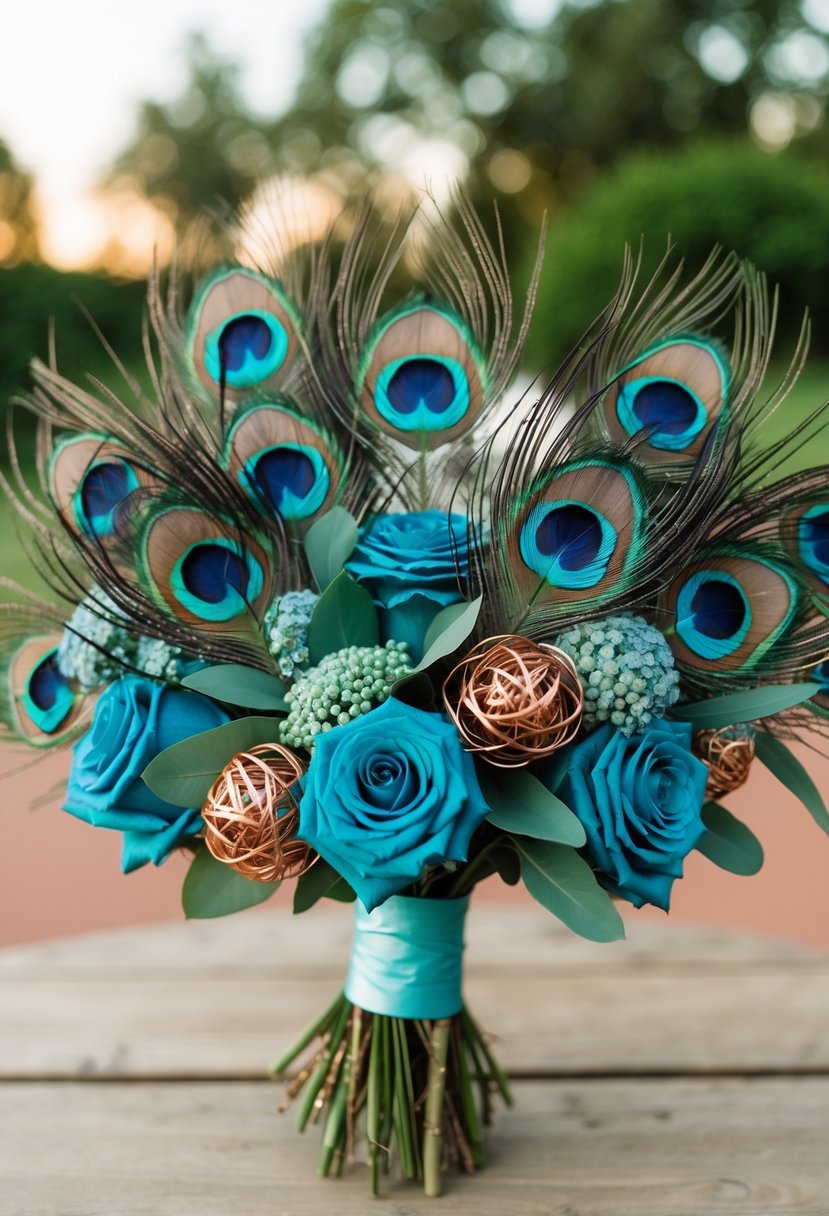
(251, 814)
(729, 758)
(514, 701)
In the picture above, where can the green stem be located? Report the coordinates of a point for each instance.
(433, 1123)
(459, 887)
(318, 1079)
(496, 1073)
(373, 1097)
(314, 1031)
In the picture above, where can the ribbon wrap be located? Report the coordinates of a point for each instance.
(406, 957)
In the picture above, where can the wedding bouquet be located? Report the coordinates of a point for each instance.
(343, 616)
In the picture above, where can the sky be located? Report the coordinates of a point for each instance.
(73, 72)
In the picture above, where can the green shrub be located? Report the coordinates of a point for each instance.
(32, 295)
(773, 210)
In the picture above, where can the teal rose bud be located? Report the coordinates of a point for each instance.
(413, 563)
(640, 801)
(388, 795)
(135, 719)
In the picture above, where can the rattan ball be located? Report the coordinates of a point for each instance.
(250, 815)
(514, 701)
(729, 754)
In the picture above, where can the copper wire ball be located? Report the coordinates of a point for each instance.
(250, 815)
(514, 701)
(729, 757)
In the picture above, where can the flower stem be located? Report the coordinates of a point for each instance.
(433, 1122)
(459, 887)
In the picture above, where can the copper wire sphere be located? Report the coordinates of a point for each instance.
(250, 815)
(729, 757)
(514, 701)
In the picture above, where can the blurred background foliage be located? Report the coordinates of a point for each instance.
(621, 119)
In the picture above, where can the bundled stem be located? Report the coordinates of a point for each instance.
(420, 1090)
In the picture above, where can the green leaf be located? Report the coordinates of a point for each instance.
(183, 774)
(745, 706)
(236, 684)
(506, 863)
(564, 884)
(786, 767)
(329, 543)
(320, 882)
(520, 804)
(728, 842)
(344, 616)
(213, 889)
(450, 627)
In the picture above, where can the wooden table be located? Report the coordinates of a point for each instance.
(680, 1073)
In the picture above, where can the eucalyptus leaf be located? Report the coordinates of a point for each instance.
(785, 766)
(564, 884)
(506, 863)
(728, 842)
(521, 805)
(449, 629)
(183, 774)
(329, 543)
(236, 684)
(744, 706)
(320, 882)
(344, 616)
(213, 889)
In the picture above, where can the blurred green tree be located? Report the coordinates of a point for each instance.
(202, 148)
(772, 210)
(18, 225)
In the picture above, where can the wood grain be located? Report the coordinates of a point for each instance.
(590, 1148)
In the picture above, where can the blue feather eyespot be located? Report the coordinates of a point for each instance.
(568, 543)
(102, 489)
(48, 697)
(242, 330)
(248, 348)
(813, 540)
(216, 579)
(670, 412)
(292, 478)
(422, 376)
(713, 614)
(670, 396)
(422, 393)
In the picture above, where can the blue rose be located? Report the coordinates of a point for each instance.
(135, 719)
(639, 799)
(387, 795)
(413, 564)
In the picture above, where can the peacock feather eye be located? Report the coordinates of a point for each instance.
(581, 532)
(242, 331)
(727, 611)
(91, 478)
(216, 579)
(569, 544)
(196, 568)
(671, 396)
(421, 378)
(813, 541)
(104, 487)
(288, 466)
(46, 706)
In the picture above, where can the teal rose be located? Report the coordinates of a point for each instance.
(135, 719)
(388, 795)
(413, 563)
(640, 801)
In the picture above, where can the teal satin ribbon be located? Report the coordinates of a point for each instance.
(406, 957)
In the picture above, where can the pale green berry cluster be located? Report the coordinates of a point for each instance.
(343, 686)
(627, 670)
(286, 631)
(97, 647)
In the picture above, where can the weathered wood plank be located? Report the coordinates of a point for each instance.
(587, 1148)
(269, 943)
(590, 1023)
